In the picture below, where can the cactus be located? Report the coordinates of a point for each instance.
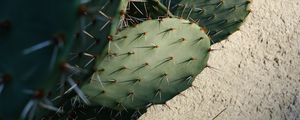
(121, 59)
(35, 37)
(141, 10)
(220, 17)
(170, 4)
(148, 64)
(97, 113)
(99, 19)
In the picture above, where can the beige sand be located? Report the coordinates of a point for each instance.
(257, 76)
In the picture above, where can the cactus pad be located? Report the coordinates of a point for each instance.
(220, 17)
(148, 64)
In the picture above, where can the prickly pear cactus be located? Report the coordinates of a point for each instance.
(220, 18)
(34, 39)
(122, 59)
(148, 64)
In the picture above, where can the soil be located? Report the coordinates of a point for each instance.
(255, 74)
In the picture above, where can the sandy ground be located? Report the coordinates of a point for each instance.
(257, 75)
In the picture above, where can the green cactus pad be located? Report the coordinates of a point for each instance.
(34, 39)
(220, 17)
(149, 63)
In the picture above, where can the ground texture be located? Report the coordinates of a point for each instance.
(256, 74)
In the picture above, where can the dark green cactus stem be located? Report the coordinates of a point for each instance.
(221, 18)
(35, 37)
(161, 8)
(149, 63)
(140, 10)
(170, 4)
(82, 112)
(99, 19)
